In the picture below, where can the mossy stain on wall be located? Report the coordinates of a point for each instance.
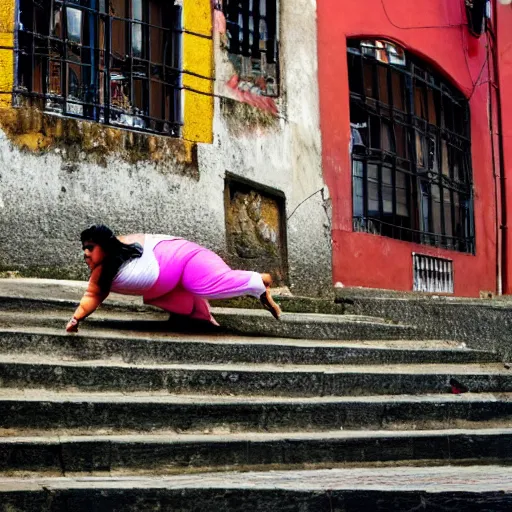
(75, 140)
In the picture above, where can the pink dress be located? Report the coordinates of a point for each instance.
(180, 276)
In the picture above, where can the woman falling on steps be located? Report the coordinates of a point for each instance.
(168, 272)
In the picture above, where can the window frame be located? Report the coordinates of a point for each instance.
(44, 43)
(439, 199)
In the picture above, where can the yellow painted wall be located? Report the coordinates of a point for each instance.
(198, 58)
(6, 52)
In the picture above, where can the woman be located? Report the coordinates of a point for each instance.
(169, 272)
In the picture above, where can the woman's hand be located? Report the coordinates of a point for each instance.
(72, 325)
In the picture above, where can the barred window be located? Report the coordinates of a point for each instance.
(252, 41)
(112, 61)
(411, 151)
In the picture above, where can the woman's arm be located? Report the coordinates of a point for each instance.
(90, 301)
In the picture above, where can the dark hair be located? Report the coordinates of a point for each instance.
(117, 253)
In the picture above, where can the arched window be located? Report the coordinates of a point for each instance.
(411, 149)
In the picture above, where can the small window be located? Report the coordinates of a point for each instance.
(252, 39)
(410, 145)
(112, 61)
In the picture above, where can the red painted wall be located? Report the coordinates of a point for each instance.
(361, 259)
(504, 57)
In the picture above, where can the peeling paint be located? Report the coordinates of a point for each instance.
(235, 84)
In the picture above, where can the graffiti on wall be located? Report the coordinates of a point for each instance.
(251, 72)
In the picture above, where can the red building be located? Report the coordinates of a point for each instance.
(410, 95)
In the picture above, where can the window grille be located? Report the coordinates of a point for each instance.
(432, 274)
(112, 61)
(252, 41)
(410, 146)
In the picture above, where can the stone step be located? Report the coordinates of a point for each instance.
(348, 489)
(234, 321)
(36, 371)
(131, 347)
(173, 453)
(72, 290)
(23, 411)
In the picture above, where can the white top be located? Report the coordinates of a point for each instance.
(138, 275)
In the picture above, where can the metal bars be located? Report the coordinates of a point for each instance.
(410, 145)
(432, 274)
(116, 62)
(252, 41)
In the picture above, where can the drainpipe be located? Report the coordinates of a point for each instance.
(497, 184)
(494, 84)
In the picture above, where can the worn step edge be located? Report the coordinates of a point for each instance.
(159, 315)
(235, 323)
(115, 302)
(245, 494)
(474, 479)
(21, 305)
(131, 348)
(66, 454)
(349, 380)
(41, 409)
(33, 288)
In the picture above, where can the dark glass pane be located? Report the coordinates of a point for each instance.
(355, 73)
(420, 100)
(447, 113)
(447, 202)
(436, 210)
(398, 90)
(373, 197)
(387, 190)
(402, 208)
(373, 189)
(445, 163)
(387, 143)
(357, 188)
(401, 140)
(375, 132)
(432, 105)
(382, 76)
(424, 193)
(459, 119)
(368, 79)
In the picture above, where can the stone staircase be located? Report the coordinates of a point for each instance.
(316, 412)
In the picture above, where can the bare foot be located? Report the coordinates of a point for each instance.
(266, 298)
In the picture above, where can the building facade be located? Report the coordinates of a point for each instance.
(192, 117)
(412, 146)
(363, 144)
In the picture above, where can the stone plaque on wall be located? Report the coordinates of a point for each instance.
(256, 228)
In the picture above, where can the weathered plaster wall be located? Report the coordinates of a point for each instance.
(283, 152)
(52, 184)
